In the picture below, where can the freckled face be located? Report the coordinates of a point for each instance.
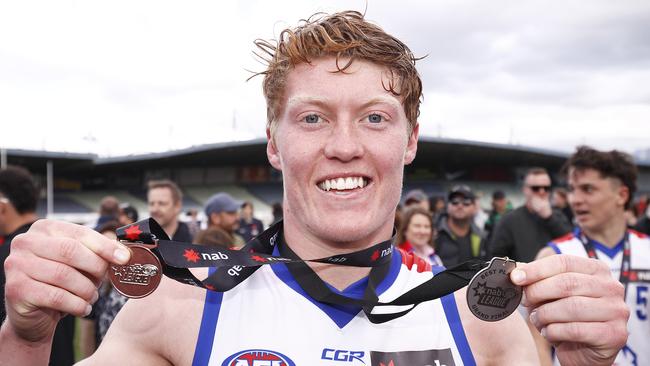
(341, 142)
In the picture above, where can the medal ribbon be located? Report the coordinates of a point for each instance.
(624, 276)
(234, 266)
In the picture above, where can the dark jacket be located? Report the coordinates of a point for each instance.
(520, 234)
(451, 251)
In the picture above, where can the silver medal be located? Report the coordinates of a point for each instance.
(491, 296)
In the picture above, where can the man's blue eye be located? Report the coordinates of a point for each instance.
(375, 118)
(312, 118)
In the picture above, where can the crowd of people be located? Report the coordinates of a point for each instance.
(343, 100)
(229, 224)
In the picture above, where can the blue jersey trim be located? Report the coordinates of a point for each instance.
(453, 318)
(205, 340)
(341, 315)
(554, 247)
(610, 252)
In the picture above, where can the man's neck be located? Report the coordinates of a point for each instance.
(20, 220)
(170, 229)
(459, 227)
(610, 234)
(307, 246)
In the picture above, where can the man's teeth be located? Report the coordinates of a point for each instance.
(341, 184)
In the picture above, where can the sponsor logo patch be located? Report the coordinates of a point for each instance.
(433, 357)
(258, 357)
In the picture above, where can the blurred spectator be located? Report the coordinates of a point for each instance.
(222, 212)
(214, 236)
(109, 210)
(18, 199)
(643, 225)
(521, 233)
(128, 214)
(399, 212)
(560, 201)
(437, 204)
(277, 212)
(416, 233)
(499, 208)
(193, 221)
(165, 201)
(416, 197)
(458, 238)
(93, 328)
(641, 205)
(249, 226)
(480, 217)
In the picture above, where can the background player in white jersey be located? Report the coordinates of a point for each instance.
(342, 99)
(601, 186)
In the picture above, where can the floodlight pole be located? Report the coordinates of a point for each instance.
(50, 188)
(3, 158)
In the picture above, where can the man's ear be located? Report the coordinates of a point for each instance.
(272, 152)
(412, 145)
(623, 194)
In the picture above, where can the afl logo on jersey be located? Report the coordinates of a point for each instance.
(258, 357)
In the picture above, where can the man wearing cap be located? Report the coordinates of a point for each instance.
(417, 197)
(522, 232)
(222, 212)
(459, 239)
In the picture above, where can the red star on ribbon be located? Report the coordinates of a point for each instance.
(389, 364)
(209, 287)
(375, 255)
(133, 232)
(258, 258)
(191, 255)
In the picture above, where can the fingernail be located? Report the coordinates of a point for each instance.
(534, 318)
(518, 276)
(543, 332)
(95, 298)
(523, 298)
(88, 310)
(121, 255)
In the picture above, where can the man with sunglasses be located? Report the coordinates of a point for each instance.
(524, 231)
(458, 238)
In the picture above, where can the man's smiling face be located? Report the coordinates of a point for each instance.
(341, 142)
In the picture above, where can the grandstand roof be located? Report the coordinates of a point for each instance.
(455, 153)
(35, 160)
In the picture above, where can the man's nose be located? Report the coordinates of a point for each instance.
(344, 142)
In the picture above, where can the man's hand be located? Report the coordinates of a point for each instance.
(541, 207)
(53, 269)
(577, 306)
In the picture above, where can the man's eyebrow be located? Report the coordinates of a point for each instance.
(324, 103)
(382, 100)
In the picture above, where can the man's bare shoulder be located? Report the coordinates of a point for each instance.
(506, 342)
(160, 329)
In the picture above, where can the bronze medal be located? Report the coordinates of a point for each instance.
(491, 296)
(140, 276)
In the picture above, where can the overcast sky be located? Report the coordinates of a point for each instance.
(123, 77)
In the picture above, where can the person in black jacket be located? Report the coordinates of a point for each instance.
(459, 239)
(522, 232)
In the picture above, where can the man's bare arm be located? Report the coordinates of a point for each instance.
(506, 342)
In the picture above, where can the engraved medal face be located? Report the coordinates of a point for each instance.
(140, 276)
(491, 296)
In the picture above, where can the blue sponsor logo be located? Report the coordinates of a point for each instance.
(342, 355)
(258, 357)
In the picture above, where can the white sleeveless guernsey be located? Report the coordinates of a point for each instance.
(268, 320)
(637, 350)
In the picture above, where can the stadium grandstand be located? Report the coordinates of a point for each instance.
(79, 181)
